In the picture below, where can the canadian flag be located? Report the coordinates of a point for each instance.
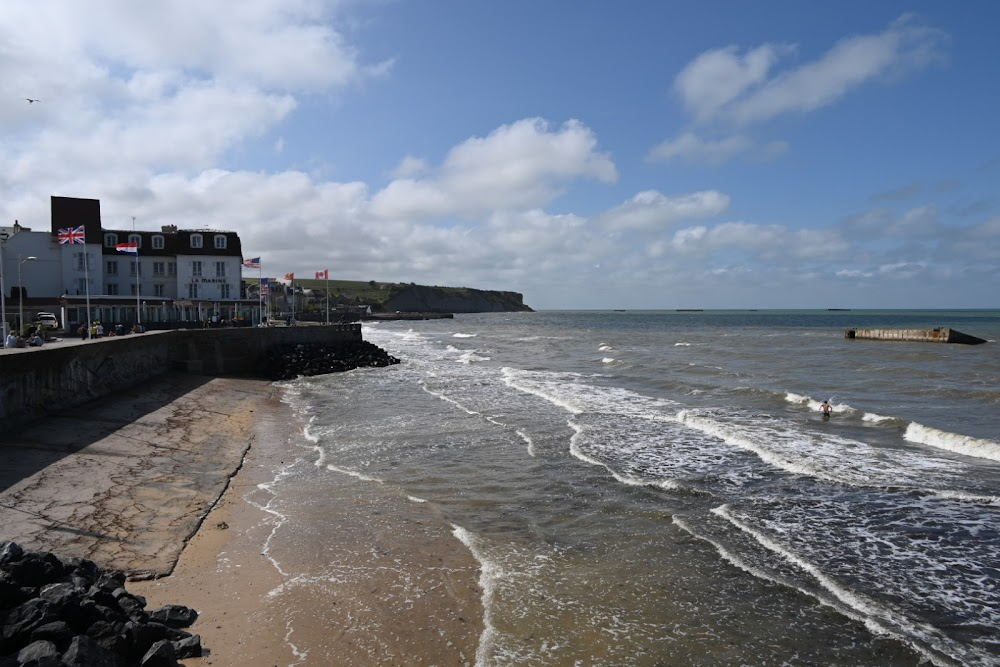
(323, 275)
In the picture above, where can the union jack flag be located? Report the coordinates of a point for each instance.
(252, 263)
(72, 235)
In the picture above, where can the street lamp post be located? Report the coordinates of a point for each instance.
(20, 292)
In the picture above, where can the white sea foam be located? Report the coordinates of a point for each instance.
(796, 398)
(444, 397)
(608, 360)
(874, 418)
(813, 404)
(463, 335)
(489, 574)
(353, 473)
(527, 438)
(878, 618)
(604, 347)
(682, 344)
(953, 442)
(415, 499)
(967, 497)
(470, 357)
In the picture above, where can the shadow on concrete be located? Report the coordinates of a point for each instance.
(29, 446)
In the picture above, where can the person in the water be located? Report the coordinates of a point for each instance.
(826, 408)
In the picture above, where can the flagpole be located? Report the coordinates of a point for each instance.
(260, 296)
(327, 296)
(86, 280)
(138, 317)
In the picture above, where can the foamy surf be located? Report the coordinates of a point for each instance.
(953, 442)
(489, 573)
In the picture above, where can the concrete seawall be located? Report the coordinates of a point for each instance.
(36, 381)
(915, 335)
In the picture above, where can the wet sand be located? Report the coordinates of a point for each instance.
(172, 482)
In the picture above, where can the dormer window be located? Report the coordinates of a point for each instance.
(157, 242)
(136, 239)
(110, 240)
(220, 242)
(196, 241)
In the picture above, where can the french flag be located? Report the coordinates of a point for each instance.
(131, 248)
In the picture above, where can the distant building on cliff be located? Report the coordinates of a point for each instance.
(175, 277)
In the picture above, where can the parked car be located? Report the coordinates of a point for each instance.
(47, 320)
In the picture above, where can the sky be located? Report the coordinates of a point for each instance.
(588, 154)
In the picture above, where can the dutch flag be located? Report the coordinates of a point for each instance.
(131, 248)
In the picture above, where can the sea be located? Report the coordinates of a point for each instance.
(661, 488)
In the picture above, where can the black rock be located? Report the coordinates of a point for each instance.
(39, 654)
(189, 647)
(160, 654)
(85, 652)
(57, 632)
(9, 552)
(174, 616)
(24, 619)
(51, 605)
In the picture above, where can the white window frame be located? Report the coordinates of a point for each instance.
(220, 241)
(197, 241)
(158, 242)
(110, 240)
(136, 239)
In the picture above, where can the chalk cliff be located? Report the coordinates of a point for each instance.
(423, 298)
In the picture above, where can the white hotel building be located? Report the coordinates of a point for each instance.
(180, 277)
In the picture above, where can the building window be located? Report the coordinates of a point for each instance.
(171, 268)
(193, 291)
(158, 290)
(225, 291)
(136, 239)
(81, 286)
(196, 241)
(159, 269)
(110, 240)
(220, 242)
(220, 269)
(157, 242)
(196, 268)
(135, 289)
(131, 268)
(111, 289)
(112, 269)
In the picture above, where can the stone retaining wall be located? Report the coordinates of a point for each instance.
(34, 382)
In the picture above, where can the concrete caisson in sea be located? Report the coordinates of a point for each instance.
(915, 335)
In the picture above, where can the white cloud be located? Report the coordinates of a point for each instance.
(409, 167)
(724, 88)
(714, 79)
(522, 165)
(689, 146)
(651, 210)
(721, 84)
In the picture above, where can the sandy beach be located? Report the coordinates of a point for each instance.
(172, 483)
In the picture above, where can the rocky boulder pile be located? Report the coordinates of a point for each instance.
(286, 362)
(59, 612)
